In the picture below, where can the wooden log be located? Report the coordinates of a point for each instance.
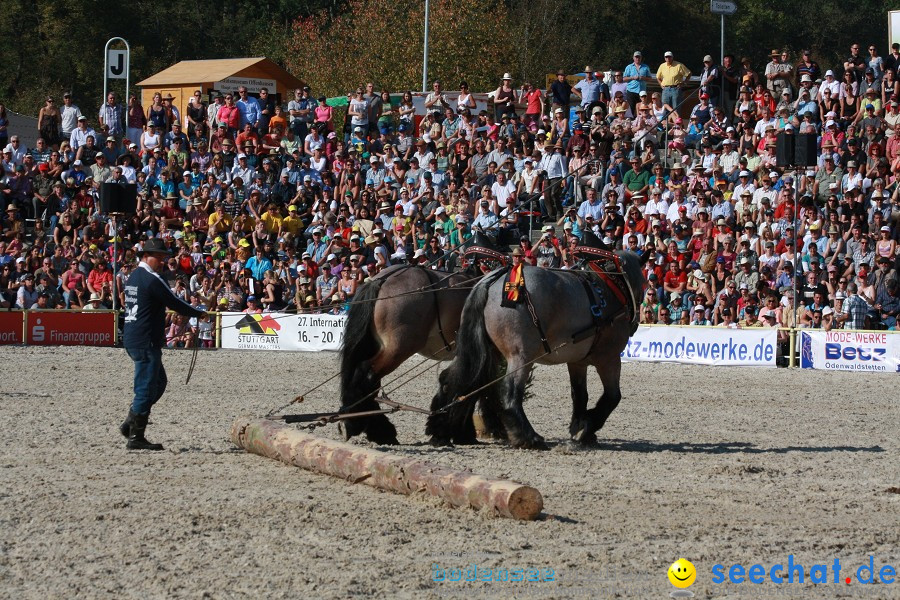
(383, 470)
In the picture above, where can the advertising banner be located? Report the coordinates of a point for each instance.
(11, 323)
(850, 351)
(719, 346)
(281, 331)
(230, 85)
(65, 328)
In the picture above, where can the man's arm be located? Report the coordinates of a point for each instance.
(575, 89)
(160, 291)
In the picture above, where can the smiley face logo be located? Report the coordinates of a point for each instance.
(682, 573)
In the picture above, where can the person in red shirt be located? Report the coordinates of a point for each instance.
(230, 115)
(636, 222)
(218, 137)
(746, 299)
(785, 208)
(100, 280)
(247, 138)
(312, 267)
(675, 280)
(533, 100)
(528, 253)
(170, 213)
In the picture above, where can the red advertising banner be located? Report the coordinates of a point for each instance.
(63, 328)
(11, 327)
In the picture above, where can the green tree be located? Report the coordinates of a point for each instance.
(381, 41)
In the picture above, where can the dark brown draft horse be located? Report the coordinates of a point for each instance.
(402, 311)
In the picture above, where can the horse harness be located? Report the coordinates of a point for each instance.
(608, 267)
(602, 265)
(488, 256)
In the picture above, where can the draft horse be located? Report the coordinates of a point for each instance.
(578, 318)
(402, 311)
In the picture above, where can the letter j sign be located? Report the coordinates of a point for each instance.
(117, 64)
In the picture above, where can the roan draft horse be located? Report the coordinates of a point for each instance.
(402, 311)
(580, 318)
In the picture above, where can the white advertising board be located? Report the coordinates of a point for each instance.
(717, 346)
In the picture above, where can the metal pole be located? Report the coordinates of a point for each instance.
(425, 52)
(796, 251)
(105, 69)
(114, 261)
(722, 44)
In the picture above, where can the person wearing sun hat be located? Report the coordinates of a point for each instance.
(147, 296)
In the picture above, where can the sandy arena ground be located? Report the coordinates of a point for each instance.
(730, 466)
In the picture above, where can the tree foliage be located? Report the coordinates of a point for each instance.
(382, 41)
(51, 46)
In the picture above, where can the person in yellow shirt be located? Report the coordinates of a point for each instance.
(292, 223)
(219, 221)
(671, 76)
(272, 219)
(247, 223)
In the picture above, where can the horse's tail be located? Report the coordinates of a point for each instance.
(359, 343)
(359, 383)
(477, 362)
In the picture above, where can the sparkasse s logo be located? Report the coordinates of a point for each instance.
(37, 332)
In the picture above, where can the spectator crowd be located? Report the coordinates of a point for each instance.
(269, 207)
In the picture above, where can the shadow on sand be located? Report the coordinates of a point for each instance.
(647, 446)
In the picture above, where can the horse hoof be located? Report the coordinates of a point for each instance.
(386, 442)
(533, 443)
(439, 441)
(583, 440)
(466, 441)
(382, 439)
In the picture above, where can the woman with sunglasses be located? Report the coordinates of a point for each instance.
(49, 123)
(156, 113)
(875, 62)
(196, 113)
(465, 98)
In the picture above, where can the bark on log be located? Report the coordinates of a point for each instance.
(386, 471)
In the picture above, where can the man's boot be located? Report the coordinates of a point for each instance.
(136, 439)
(125, 427)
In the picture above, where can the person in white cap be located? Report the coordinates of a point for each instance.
(831, 84)
(419, 257)
(744, 184)
(671, 75)
(710, 79)
(80, 133)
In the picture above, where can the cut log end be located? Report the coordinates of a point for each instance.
(525, 503)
